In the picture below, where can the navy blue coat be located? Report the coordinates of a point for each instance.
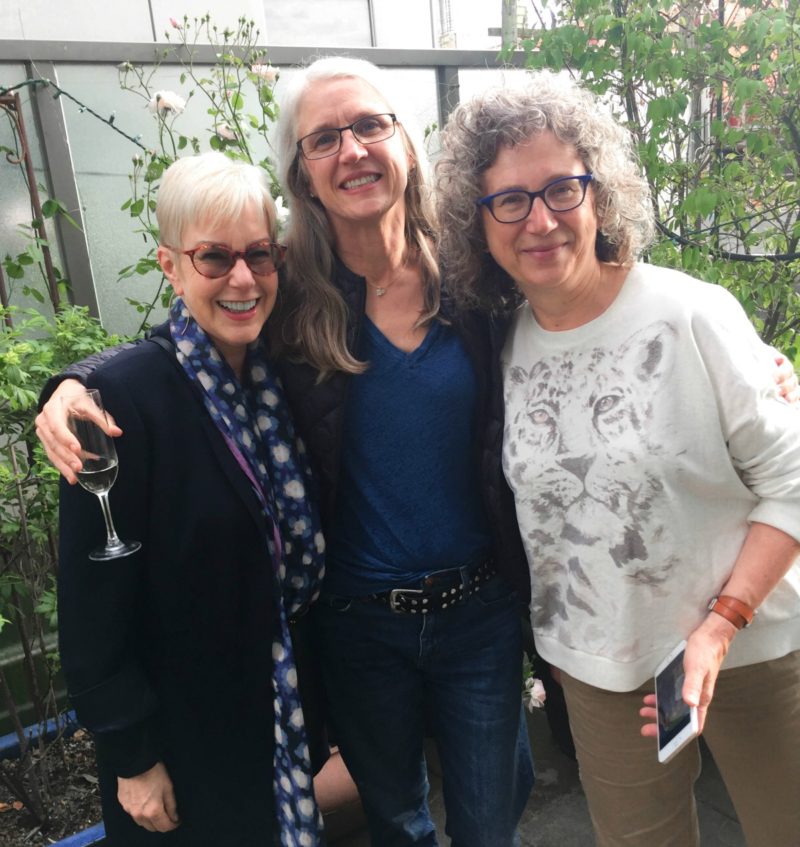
(167, 653)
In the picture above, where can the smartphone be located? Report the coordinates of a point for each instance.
(677, 722)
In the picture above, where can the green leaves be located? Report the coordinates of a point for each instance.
(714, 105)
(700, 202)
(667, 108)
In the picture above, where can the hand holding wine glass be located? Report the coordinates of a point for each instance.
(99, 471)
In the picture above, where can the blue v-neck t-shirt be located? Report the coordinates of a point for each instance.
(408, 498)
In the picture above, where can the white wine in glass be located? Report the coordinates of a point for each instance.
(99, 471)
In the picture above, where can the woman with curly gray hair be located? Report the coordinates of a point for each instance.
(506, 117)
(655, 469)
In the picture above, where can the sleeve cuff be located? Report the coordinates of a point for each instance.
(128, 752)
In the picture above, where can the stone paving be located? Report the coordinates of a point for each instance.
(556, 814)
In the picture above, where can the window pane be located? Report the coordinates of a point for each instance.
(344, 23)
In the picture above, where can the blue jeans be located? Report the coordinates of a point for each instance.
(391, 678)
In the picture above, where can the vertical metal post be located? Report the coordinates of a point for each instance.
(373, 35)
(447, 91)
(13, 106)
(60, 172)
(4, 299)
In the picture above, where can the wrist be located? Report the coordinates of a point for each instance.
(718, 630)
(737, 612)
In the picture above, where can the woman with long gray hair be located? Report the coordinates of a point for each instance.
(418, 618)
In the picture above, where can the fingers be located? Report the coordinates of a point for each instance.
(699, 692)
(791, 394)
(702, 711)
(79, 405)
(786, 379)
(150, 799)
(154, 818)
(61, 447)
(171, 807)
(52, 429)
(650, 714)
(700, 678)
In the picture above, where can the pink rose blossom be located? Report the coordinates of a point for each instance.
(224, 131)
(265, 72)
(534, 694)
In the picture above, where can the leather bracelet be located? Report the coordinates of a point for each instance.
(733, 610)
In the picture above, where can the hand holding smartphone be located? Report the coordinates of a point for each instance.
(677, 722)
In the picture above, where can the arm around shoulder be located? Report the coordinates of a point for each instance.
(60, 444)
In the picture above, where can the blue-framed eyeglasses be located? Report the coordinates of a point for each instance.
(515, 204)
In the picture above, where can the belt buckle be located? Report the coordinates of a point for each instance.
(396, 595)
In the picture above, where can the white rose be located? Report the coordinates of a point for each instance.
(167, 101)
(282, 213)
(225, 132)
(265, 72)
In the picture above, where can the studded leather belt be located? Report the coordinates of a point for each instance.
(436, 592)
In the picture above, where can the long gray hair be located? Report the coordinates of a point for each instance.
(504, 117)
(314, 314)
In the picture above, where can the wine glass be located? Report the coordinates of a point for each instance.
(99, 471)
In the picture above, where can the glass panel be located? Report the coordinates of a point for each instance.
(471, 22)
(103, 164)
(223, 14)
(405, 25)
(15, 220)
(344, 23)
(473, 81)
(76, 20)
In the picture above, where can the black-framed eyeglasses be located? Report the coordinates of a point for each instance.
(515, 204)
(328, 142)
(216, 260)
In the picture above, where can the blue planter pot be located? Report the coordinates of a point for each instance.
(9, 749)
(94, 835)
(9, 744)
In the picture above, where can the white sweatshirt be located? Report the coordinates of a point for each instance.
(638, 447)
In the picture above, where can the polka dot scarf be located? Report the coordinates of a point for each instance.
(256, 425)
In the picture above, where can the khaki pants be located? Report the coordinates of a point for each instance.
(752, 730)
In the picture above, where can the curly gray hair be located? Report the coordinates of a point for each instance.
(506, 116)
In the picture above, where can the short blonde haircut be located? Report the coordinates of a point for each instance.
(212, 189)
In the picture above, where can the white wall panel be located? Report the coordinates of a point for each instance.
(327, 23)
(76, 20)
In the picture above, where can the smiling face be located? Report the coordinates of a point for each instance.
(547, 252)
(362, 183)
(233, 308)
